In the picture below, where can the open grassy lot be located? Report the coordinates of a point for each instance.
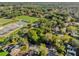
(5, 21)
(27, 18)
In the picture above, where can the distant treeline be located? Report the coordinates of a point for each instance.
(42, 4)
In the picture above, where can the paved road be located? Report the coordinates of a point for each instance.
(11, 27)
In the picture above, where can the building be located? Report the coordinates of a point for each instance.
(71, 51)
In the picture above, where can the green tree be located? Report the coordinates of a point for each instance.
(43, 51)
(61, 50)
(33, 35)
(71, 28)
(66, 38)
(24, 49)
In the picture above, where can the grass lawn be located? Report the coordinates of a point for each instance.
(3, 53)
(5, 21)
(27, 18)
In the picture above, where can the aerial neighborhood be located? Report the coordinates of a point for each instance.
(39, 29)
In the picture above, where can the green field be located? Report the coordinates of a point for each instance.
(27, 18)
(5, 21)
(3, 53)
